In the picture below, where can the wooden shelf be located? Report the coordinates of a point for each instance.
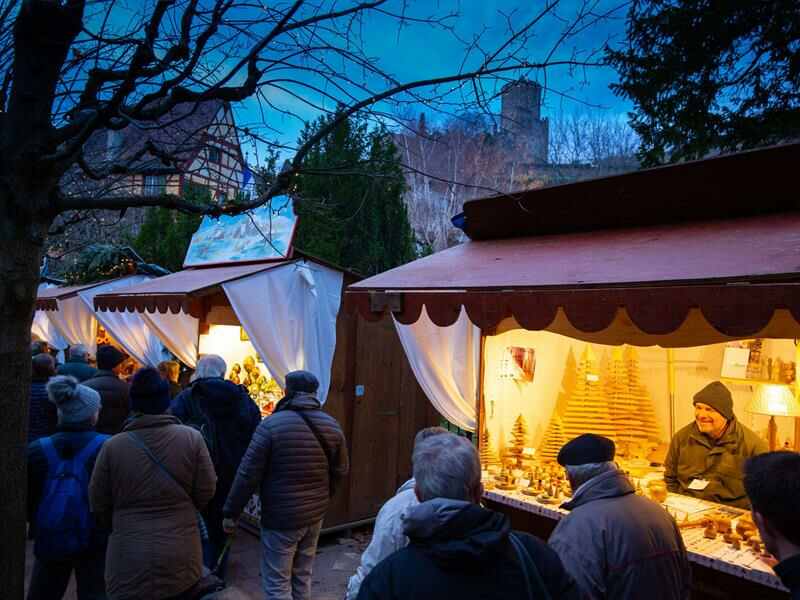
(740, 381)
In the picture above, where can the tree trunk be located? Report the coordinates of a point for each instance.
(19, 277)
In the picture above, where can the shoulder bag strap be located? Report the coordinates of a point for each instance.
(322, 444)
(533, 580)
(140, 442)
(50, 453)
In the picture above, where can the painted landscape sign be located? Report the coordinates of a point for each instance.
(264, 233)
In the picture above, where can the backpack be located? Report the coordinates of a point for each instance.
(197, 419)
(64, 523)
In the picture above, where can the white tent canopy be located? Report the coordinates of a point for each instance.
(43, 328)
(289, 313)
(75, 322)
(177, 331)
(128, 329)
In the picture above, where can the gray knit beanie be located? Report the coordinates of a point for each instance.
(76, 403)
(718, 397)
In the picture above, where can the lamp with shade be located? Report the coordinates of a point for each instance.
(774, 400)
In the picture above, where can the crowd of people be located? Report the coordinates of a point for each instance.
(137, 487)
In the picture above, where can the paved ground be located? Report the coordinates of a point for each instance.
(337, 559)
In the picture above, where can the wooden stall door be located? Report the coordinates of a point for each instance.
(376, 419)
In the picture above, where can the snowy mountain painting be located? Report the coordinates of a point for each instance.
(261, 234)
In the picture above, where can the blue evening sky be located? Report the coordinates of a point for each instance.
(418, 52)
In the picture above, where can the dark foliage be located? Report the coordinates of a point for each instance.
(713, 75)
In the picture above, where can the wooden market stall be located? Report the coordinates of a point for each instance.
(372, 392)
(603, 306)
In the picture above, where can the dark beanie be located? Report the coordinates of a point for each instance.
(586, 448)
(301, 382)
(718, 397)
(109, 357)
(149, 392)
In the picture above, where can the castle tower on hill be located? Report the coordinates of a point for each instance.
(521, 123)
(587, 409)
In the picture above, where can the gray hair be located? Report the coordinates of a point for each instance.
(427, 432)
(580, 474)
(446, 466)
(210, 365)
(78, 351)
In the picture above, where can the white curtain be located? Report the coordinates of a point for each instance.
(44, 329)
(178, 332)
(446, 363)
(127, 328)
(76, 323)
(289, 313)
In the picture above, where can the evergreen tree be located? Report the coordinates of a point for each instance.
(349, 199)
(165, 234)
(707, 76)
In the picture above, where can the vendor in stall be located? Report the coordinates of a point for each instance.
(706, 458)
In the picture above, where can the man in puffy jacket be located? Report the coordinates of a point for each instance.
(388, 536)
(227, 417)
(457, 549)
(297, 457)
(113, 391)
(614, 543)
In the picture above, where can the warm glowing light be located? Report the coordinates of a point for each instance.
(774, 400)
(593, 377)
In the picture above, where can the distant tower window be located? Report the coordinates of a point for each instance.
(155, 185)
(214, 154)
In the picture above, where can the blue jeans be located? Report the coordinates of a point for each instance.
(286, 562)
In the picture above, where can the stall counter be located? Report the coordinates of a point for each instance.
(714, 555)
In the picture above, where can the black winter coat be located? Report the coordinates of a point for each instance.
(78, 369)
(461, 550)
(42, 414)
(233, 416)
(286, 462)
(114, 396)
(789, 572)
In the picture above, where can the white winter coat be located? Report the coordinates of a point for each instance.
(387, 537)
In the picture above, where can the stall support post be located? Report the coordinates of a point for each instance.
(671, 390)
(797, 394)
(481, 401)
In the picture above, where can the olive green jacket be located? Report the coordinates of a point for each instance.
(693, 454)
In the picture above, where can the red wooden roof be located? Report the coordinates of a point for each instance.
(47, 298)
(737, 271)
(744, 184)
(177, 291)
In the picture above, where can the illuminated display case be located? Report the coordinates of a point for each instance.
(245, 367)
(638, 396)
